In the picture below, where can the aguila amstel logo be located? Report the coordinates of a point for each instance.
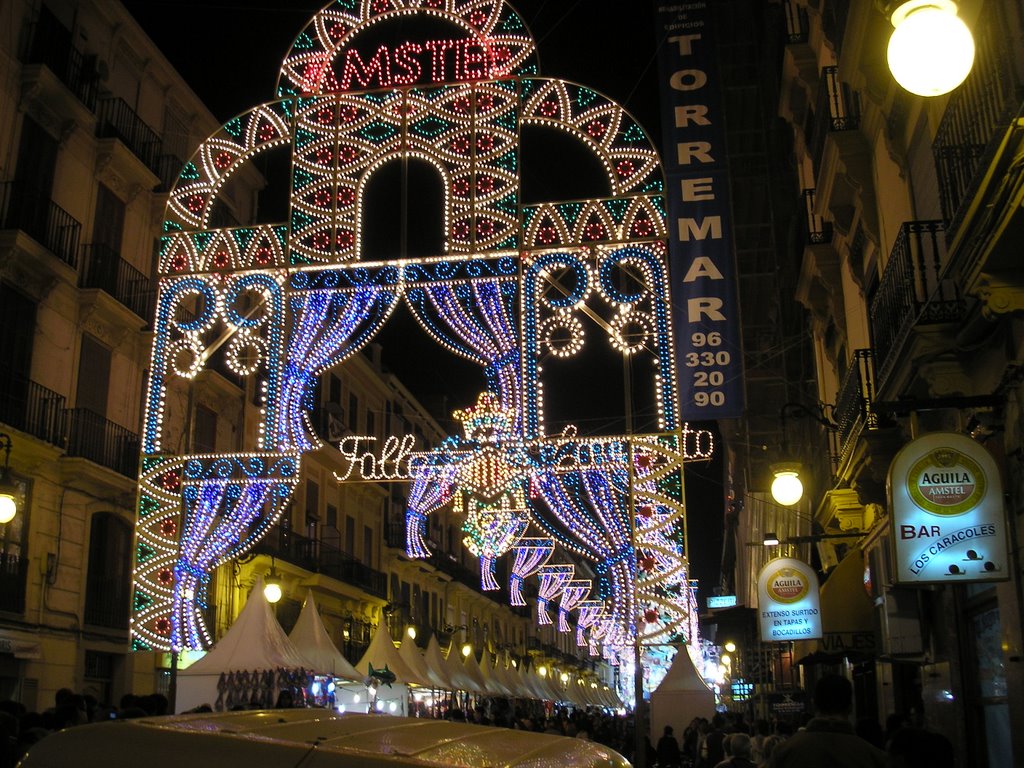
(787, 585)
(946, 482)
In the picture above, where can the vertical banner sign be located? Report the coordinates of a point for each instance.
(788, 601)
(948, 520)
(702, 260)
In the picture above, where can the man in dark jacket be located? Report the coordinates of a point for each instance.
(829, 738)
(668, 755)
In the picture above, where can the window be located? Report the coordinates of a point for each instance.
(13, 561)
(350, 535)
(334, 389)
(93, 376)
(368, 546)
(371, 423)
(353, 412)
(108, 581)
(17, 335)
(204, 431)
(312, 502)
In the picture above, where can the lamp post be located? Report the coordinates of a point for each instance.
(931, 50)
(787, 489)
(272, 585)
(8, 490)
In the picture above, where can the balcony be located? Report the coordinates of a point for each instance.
(50, 45)
(117, 120)
(25, 208)
(977, 116)
(911, 293)
(817, 231)
(796, 22)
(319, 557)
(13, 579)
(168, 167)
(31, 407)
(836, 111)
(106, 270)
(106, 602)
(853, 410)
(92, 437)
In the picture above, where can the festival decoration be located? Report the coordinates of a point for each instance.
(284, 302)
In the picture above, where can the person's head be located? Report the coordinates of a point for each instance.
(668, 730)
(739, 745)
(833, 696)
(727, 745)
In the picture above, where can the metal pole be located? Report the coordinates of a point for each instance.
(639, 719)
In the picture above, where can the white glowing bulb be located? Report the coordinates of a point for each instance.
(931, 51)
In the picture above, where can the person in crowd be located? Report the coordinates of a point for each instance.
(767, 747)
(711, 750)
(667, 753)
(738, 749)
(829, 739)
(917, 748)
(285, 700)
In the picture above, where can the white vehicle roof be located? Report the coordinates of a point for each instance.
(314, 738)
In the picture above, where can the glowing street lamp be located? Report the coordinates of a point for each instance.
(787, 489)
(272, 585)
(466, 650)
(411, 632)
(931, 50)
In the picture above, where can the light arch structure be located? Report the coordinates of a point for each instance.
(287, 301)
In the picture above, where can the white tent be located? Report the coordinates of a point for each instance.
(309, 635)
(435, 666)
(381, 653)
(254, 643)
(682, 695)
(458, 674)
(413, 659)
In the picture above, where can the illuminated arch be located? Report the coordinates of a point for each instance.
(482, 297)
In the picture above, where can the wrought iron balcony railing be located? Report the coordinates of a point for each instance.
(31, 407)
(48, 45)
(796, 22)
(911, 291)
(106, 602)
(24, 207)
(817, 230)
(853, 411)
(13, 579)
(92, 437)
(319, 557)
(836, 109)
(105, 269)
(117, 120)
(977, 115)
(168, 167)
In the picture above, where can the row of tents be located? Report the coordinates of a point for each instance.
(257, 643)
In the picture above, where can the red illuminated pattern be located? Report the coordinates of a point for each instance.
(409, 63)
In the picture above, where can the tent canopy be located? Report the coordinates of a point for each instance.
(254, 642)
(381, 653)
(309, 635)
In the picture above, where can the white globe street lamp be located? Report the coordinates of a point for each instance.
(787, 489)
(931, 50)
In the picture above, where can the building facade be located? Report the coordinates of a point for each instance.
(907, 273)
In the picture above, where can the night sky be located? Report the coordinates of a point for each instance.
(230, 52)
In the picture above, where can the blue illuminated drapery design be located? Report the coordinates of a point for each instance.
(328, 326)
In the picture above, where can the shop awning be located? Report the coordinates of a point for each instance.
(20, 645)
(848, 621)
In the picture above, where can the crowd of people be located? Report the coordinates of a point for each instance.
(726, 740)
(20, 727)
(829, 738)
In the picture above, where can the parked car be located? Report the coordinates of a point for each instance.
(312, 738)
